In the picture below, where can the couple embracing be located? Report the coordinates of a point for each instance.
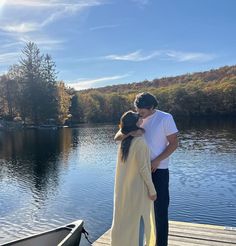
(147, 138)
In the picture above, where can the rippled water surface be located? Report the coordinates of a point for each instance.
(52, 177)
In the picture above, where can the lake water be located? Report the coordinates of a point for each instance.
(52, 177)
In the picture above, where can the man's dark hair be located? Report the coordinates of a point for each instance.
(145, 100)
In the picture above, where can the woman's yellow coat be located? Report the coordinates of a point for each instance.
(133, 183)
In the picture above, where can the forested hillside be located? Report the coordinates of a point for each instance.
(207, 94)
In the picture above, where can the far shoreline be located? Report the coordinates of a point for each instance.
(181, 120)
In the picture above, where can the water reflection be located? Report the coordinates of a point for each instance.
(32, 156)
(30, 169)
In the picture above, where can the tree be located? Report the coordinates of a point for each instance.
(49, 86)
(15, 74)
(9, 95)
(119, 104)
(40, 90)
(30, 89)
(31, 65)
(76, 109)
(63, 103)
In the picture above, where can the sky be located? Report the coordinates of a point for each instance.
(95, 43)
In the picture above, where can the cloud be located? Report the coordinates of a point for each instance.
(52, 3)
(8, 45)
(16, 41)
(50, 11)
(189, 56)
(91, 83)
(20, 28)
(136, 56)
(30, 3)
(179, 56)
(141, 56)
(10, 50)
(22, 21)
(42, 41)
(8, 58)
(68, 9)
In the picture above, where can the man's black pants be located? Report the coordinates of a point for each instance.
(161, 182)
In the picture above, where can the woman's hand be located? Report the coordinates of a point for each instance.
(153, 197)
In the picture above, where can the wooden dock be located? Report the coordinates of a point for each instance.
(190, 234)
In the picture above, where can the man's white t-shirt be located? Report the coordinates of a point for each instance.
(157, 127)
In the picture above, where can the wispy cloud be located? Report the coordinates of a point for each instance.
(82, 84)
(67, 9)
(30, 3)
(21, 28)
(8, 58)
(136, 56)
(42, 41)
(139, 56)
(50, 11)
(8, 45)
(53, 3)
(32, 16)
(30, 27)
(189, 56)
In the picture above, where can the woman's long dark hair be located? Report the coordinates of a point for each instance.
(128, 123)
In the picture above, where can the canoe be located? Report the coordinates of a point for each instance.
(68, 235)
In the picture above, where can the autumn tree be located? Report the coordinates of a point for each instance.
(63, 102)
(8, 96)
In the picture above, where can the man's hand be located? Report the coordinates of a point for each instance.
(152, 197)
(171, 147)
(136, 133)
(119, 136)
(154, 165)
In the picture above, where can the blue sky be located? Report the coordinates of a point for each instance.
(106, 42)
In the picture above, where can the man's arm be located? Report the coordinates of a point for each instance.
(173, 144)
(120, 136)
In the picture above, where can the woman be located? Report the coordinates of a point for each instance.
(134, 191)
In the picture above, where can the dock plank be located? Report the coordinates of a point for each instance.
(185, 234)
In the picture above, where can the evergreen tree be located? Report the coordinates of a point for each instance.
(31, 65)
(40, 90)
(49, 76)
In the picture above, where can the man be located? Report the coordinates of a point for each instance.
(161, 137)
